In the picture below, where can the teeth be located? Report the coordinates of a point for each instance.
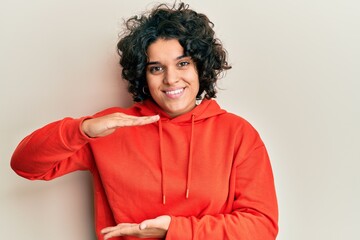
(177, 91)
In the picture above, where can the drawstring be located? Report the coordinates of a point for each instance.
(162, 164)
(188, 180)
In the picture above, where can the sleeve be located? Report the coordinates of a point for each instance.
(253, 215)
(52, 151)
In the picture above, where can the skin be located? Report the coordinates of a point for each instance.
(172, 78)
(173, 83)
(152, 228)
(105, 125)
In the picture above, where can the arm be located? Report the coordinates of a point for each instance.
(62, 147)
(54, 150)
(253, 215)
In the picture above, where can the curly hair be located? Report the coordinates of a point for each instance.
(193, 30)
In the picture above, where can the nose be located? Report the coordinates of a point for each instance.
(171, 76)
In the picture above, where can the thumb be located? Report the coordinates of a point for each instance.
(150, 223)
(143, 225)
(161, 222)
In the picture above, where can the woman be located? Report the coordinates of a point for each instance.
(174, 165)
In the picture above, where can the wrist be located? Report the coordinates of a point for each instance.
(84, 127)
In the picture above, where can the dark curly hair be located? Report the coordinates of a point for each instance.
(193, 30)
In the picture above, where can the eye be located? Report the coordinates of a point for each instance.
(183, 63)
(155, 69)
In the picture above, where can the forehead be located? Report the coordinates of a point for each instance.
(165, 50)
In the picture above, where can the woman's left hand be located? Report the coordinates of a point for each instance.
(151, 228)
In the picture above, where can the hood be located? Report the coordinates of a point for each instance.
(206, 109)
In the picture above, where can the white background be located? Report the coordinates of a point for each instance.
(295, 77)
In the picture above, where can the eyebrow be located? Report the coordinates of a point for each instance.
(155, 62)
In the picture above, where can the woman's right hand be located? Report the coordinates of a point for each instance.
(105, 125)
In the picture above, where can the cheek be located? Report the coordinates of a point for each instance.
(150, 81)
(194, 81)
(153, 84)
(193, 76)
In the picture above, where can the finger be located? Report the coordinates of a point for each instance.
(107, 230)
(150, 223)
(143, 225)
(138, 121)
(123, 229)
(161, 222)
(117, 227)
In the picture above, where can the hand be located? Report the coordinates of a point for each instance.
(105, 125)
(152, 228)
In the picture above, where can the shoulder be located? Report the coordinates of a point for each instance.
(235, 120)
(224, 119)
(239, 127)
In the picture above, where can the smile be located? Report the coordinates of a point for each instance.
(174, 92)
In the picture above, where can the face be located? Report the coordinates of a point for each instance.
(171, 77)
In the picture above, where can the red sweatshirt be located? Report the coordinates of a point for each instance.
(208, 169)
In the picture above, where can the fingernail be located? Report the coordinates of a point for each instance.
(142, 226)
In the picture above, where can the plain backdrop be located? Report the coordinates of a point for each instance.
(295, 77)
